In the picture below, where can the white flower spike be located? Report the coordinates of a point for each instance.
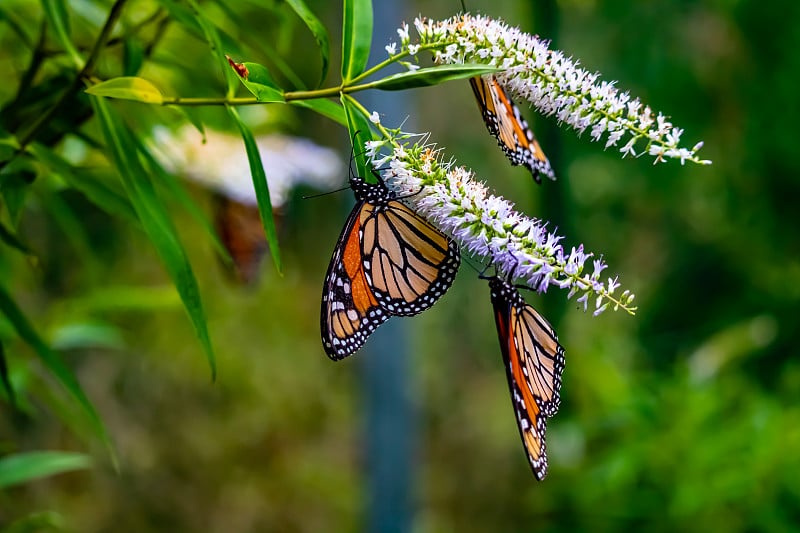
(487, 226)
(552, 83)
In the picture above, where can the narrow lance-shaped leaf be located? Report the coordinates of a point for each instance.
(23, 467)
(10, 239)
(430, 76)
(57, 16)
(154, 219)
(179, 193)
(53, 363)
(212, 37)
(261, 187)
(4, 377)
(360, 132)
(356, 37)
(324, 107)
(96, 190)
(318, 30)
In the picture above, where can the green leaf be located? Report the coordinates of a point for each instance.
(128, 88)
(14, 186)
(360, 132)
(132, 55)
(23, 467)
(9, 238)
(94, 189)
(425, 77)
(260, 184)
(87, 334)
(4, 377)
(324, 107)
(37, 522)
(154, 219)
(356, 37)
(53, 363)
(318, 30)
(258, 81)
(212, 37)
(57, 16)
(179, 193)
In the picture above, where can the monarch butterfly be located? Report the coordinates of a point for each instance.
(239, 228)
(388, 261)
(504, 121)
(534, 363)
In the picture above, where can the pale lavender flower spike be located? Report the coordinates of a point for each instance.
(552, 83)
(487, 226)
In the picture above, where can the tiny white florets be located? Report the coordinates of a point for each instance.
(552, 83)
(488, 226)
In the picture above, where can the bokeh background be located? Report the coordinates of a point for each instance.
(683, 417)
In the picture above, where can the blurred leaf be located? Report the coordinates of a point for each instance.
(4, 376)
(36, 523)
(14, 186)
(128, 88)
(121, 298)
(57, 16)
(360, 132)
(325, 107)
(430, 76)
(179, 193)
(356, 37)
(10, 239)
(87, 335)
(154, 219)
(132, 56)
(258, 81)
(319, 31)
(16, 26)
(212, 37)
(71, 226)
(23, 467)
(260, 184)
(54, 363)
(95, 190)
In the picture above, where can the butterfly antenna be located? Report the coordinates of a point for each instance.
(309, 196)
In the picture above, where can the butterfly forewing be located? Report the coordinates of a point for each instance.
(409, 263)
(350, 312)
(505, 122)
(541, 354)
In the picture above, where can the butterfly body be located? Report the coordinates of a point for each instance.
(506, 124)
(534, 362)
(388, 261)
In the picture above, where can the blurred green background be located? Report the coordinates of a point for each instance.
(684, 417)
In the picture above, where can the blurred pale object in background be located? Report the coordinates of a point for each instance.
(219, 162)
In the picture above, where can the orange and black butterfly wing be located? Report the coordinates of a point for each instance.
(350, 312)
(505, 122)
(531, 418)
(239, 228)
(542, 357)
(408, 263)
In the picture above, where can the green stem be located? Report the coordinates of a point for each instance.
(177, 100)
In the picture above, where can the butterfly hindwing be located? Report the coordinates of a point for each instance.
(409, 263)
(350, 312)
